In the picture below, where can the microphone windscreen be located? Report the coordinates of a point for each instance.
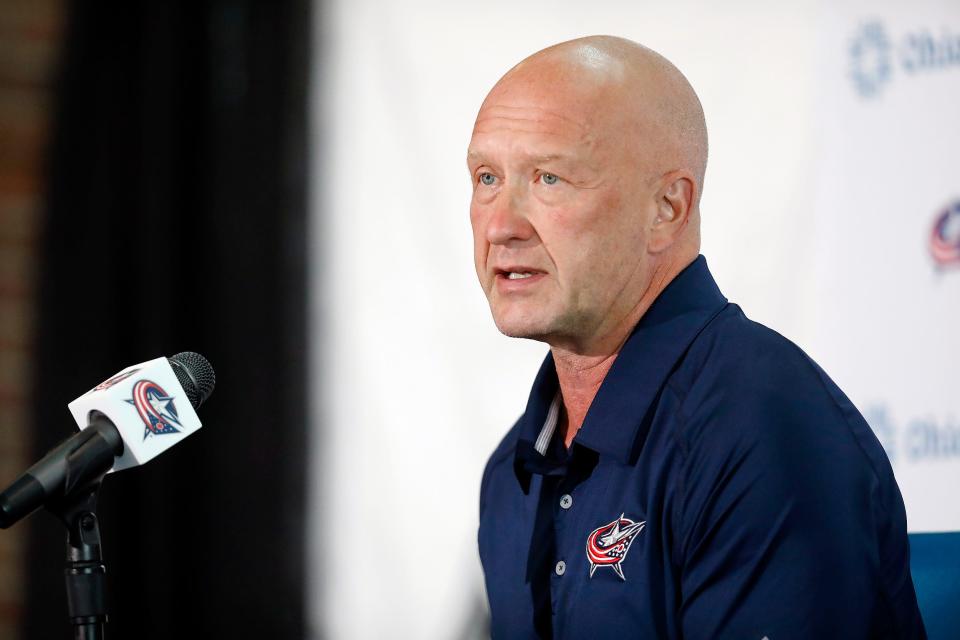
(195, 374)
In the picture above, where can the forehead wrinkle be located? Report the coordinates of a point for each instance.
(511, 113)
(484, 125)
(551, 125)
(585, 139)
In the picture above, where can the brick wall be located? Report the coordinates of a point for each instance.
(29, 40)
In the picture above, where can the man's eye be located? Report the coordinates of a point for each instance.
(487, 179)
(549, 178)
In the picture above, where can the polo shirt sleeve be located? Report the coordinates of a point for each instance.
(789, 524)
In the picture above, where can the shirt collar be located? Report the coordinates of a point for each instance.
(612, 423)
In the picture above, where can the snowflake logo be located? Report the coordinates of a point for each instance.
(870, 65)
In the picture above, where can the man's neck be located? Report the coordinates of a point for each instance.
(580, 378)
(581, 371)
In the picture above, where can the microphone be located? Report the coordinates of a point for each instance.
(124, 421)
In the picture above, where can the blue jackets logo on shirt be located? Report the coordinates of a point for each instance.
(608, 545)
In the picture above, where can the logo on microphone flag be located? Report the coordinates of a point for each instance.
(608, 545)
(120, 377)
(156, 409)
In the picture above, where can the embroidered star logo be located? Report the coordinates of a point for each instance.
(607, 546)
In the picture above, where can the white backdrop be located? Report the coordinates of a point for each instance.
(413, 386)
(884, 316)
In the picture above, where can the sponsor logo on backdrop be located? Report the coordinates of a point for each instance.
(921, 439)
(945, 236)
(876, 57)
(156, 409)
(870, 64)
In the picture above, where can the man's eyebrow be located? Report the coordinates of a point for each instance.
(549, 157)
(473, 154)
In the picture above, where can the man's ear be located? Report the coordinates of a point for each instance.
(675, 200)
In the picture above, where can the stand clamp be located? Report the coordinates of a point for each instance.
(85, 573)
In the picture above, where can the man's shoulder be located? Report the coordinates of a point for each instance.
(508, 444)
(747, 358)
(745, 385)
(742, 382)
(737, 336)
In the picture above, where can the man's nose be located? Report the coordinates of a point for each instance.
(508, 221)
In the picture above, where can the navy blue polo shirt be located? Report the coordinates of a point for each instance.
(721, 486)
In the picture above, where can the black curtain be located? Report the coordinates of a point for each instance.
(176, 221)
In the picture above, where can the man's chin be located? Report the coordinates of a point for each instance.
(522, 329)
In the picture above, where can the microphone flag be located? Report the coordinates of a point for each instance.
(147, 404)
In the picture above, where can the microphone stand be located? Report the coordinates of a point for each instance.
(85, 572)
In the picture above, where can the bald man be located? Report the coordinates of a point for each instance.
(680, 471)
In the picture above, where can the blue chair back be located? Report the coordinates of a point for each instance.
(935, 566)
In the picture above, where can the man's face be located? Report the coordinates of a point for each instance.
(559, 211)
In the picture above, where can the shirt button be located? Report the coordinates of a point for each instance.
(561, 568)
(566, 501)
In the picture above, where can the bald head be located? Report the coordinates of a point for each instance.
(587, 162)
(641, 94)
